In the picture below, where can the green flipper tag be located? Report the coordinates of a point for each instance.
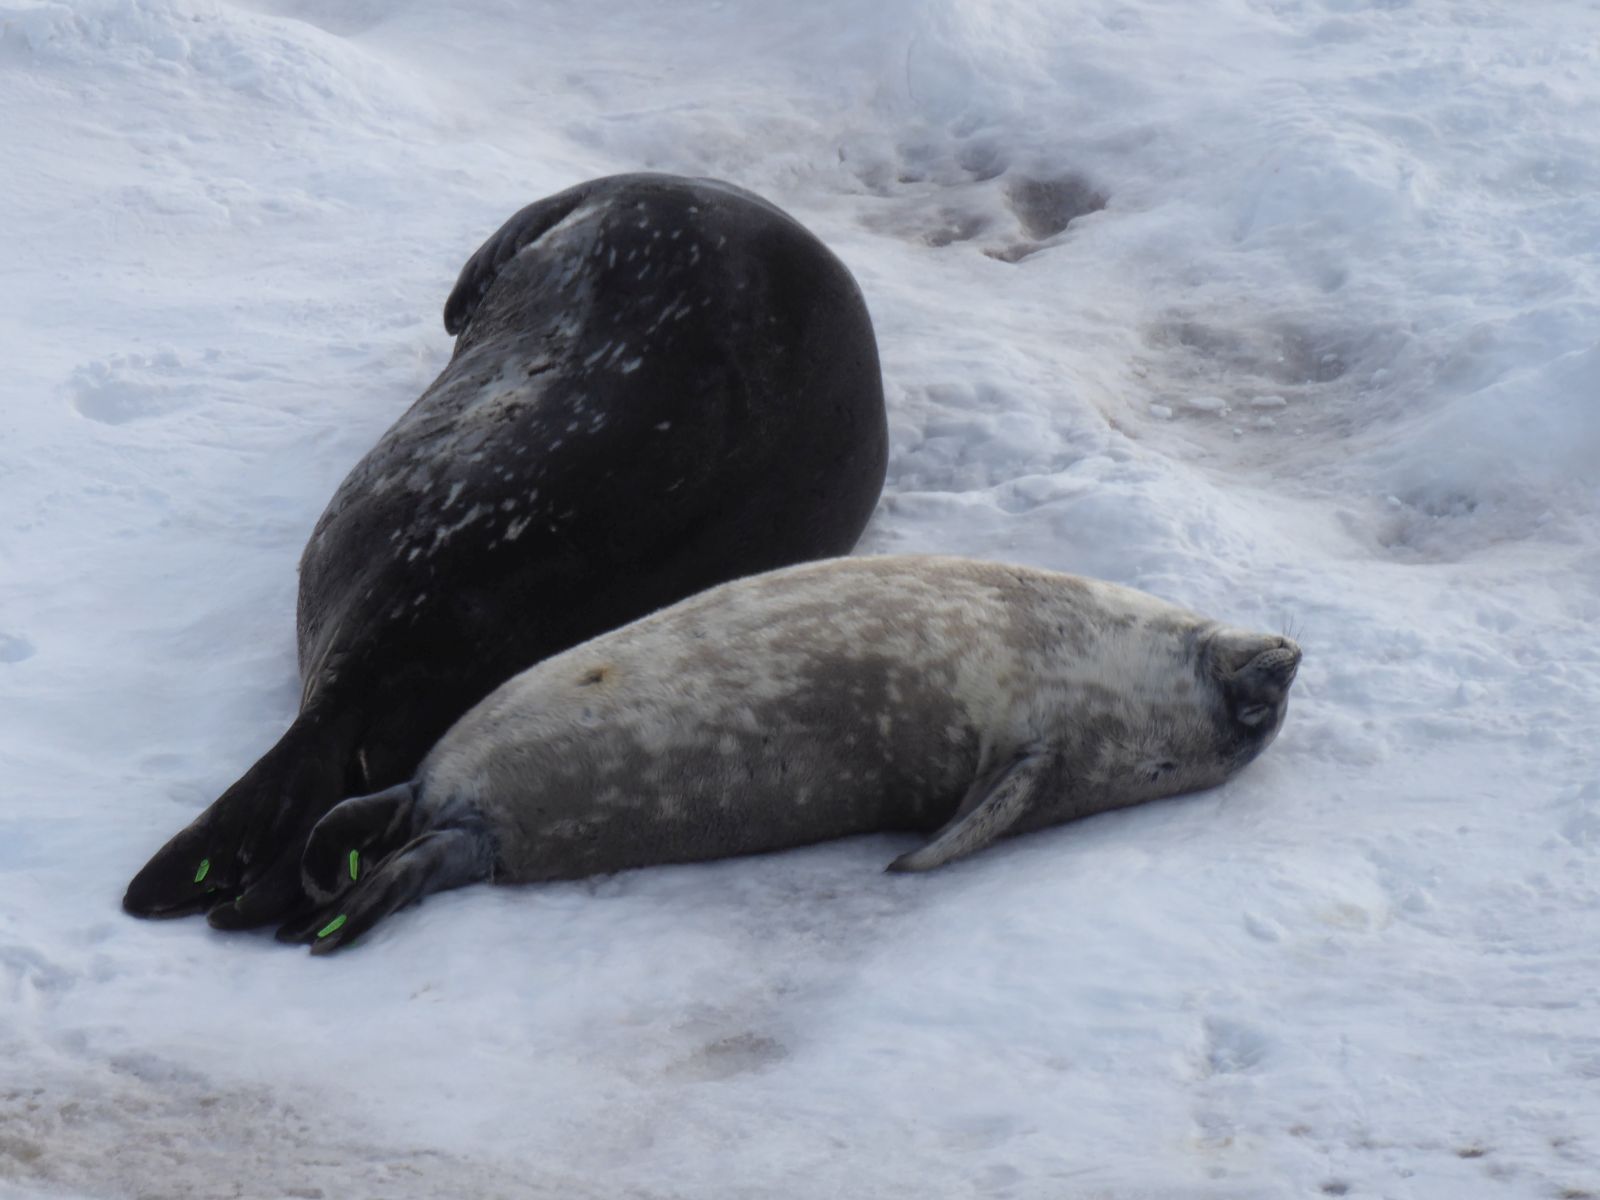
(332, 926)
(205, 865)
(355, 864)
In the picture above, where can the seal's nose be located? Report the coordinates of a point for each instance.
(1292, 667)
(1279, 664)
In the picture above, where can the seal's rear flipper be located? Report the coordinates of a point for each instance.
(363, 830)
(991, 809)
(435, 862)
(241, 836)
(273, 896)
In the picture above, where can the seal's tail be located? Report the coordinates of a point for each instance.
(362, 863)
(231, 858)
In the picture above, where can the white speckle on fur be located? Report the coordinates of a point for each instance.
(444, 533)
(514, 530)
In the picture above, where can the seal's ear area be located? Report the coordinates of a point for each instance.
(437, 861)
(361, 831)
(246, 829)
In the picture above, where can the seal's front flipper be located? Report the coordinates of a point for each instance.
(435, 862)
(991, 809)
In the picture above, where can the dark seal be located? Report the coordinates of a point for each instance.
(659, 384)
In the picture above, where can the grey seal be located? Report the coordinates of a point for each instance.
(969, 700)
(658, 384)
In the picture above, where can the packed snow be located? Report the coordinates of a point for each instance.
(1285, 310)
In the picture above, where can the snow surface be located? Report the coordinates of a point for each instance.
(1319, 348)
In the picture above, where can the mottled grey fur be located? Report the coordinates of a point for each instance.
(971, 698)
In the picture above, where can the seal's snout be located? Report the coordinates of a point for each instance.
(1278, 665)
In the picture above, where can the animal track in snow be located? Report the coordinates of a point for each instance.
(941, 196)
(1232, 1047)
(130, 387)
(14, 649)
(24, 972)
(1045, 207)
(727, 1057)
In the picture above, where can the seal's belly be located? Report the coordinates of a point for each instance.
(697, 788)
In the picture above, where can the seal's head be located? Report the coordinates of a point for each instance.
(1249, 676)
(1205, 708)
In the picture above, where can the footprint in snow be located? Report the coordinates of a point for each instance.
(15, 649)
(130, 387)
(1232, 1047)
(1045, 207)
